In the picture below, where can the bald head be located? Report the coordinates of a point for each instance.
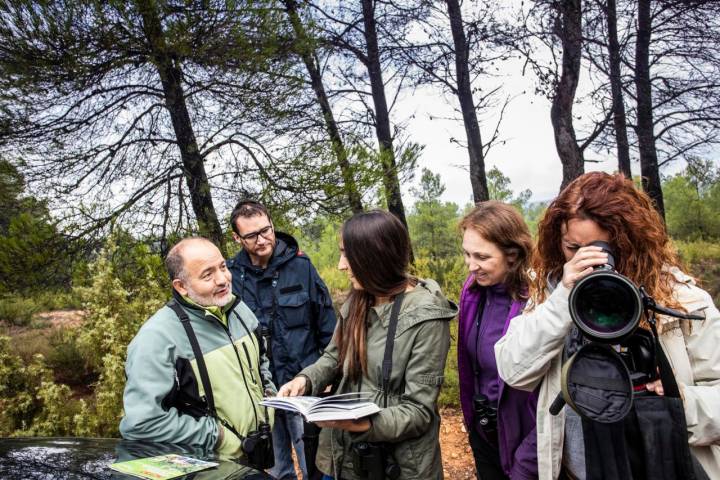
(175, 260)
(198, 271)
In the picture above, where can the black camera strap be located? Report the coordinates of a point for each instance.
(390, 345)
(478, 321)
(667, 377)
(199, 358)
(202, 368)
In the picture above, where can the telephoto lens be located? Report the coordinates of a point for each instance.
(605, 305)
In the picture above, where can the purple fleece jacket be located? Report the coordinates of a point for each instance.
(517, 438)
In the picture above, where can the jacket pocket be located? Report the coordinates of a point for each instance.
(408, 455)
(293, 309)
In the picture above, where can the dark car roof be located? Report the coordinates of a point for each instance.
(89, 458)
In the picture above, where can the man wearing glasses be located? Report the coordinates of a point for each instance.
(281, 286)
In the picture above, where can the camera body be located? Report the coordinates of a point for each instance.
(374, 461)
(638, 353)
(485, 413)
(258, 448)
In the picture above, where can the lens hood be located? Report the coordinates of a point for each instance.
(606, 306)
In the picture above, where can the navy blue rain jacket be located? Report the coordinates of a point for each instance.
(290, 299)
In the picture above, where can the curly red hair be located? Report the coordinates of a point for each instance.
(643, 251)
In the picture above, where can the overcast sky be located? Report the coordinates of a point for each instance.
(528, 156)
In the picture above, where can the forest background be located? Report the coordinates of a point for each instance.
(127, 125)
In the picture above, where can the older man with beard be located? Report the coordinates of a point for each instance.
(196, 370)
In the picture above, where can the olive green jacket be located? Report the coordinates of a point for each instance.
(411, 421)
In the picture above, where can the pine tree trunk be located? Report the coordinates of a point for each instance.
(467, 104)
(309, 59)
(649, 169)
(618, 103)
(194, 169)
(570, 32)
(383, 131)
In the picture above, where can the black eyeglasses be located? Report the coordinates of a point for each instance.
(252, 237)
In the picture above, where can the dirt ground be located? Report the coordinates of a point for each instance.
(63, 318)
(456, 454)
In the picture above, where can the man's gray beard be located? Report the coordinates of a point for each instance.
(208, 300)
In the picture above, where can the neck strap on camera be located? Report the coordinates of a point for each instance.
(389, 345)
(667, 377)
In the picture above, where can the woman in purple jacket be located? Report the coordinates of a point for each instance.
(500, 419)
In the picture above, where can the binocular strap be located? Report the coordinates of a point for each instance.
(390, 345)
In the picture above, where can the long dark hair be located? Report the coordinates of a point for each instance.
(503, 225)
(377, 248)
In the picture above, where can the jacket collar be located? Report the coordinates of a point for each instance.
(424, 302)
(199, 310)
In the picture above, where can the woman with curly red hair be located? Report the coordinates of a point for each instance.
(609, 208)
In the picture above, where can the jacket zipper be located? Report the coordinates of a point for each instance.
(250, 367)
(242, 371)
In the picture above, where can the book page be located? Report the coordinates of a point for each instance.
(328, 414)
(299, 404)
(346, 406)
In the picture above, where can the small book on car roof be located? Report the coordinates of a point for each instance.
(163, 467)
(346, 406)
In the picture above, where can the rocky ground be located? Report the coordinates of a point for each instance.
(457, 457)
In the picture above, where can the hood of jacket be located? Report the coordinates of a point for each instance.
(425, 302)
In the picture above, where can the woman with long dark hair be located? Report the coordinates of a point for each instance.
(500, 419)
(609, 208)
(375, 253)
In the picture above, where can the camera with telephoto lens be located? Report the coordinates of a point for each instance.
(374, 461)
(258, 448)
(485, 413)
(605, 305)
(615, 358)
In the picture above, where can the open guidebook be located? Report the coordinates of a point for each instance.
(346, 406)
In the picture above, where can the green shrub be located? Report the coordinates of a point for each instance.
(696, 252)
(66, 359)
(30, 342)
(30, 402)
(49, 300)
(450, 393)
(117, 303)
(703, 262)
(18, 311)
(58, 413)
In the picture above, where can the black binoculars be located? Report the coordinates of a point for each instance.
(374, 462)
(258, 448)
(485, 413)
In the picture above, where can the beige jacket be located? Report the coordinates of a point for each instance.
(530, 354)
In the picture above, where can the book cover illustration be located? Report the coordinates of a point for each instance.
(162, 467)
